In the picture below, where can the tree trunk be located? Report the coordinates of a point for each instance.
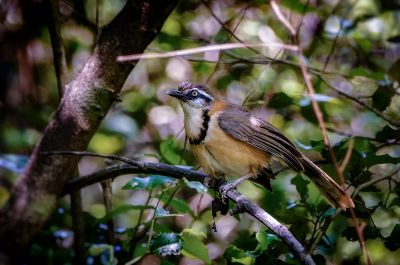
(86, 101)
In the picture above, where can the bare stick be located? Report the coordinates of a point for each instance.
(282, 18)
(215, 47)
(347, 157)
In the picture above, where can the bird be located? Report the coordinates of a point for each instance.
(227, 139)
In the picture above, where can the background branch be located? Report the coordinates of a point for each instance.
(60, 63)
(317, 111)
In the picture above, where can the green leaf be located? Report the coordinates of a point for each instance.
(280, 100)
(237, 255)
(363, 145)
(360, 71)
(170, 151)
(383, 96)
(395, 202)
(106, 253)
(392, 242)
(301, 186)
(122, 209)
(328, 213)
(140, 249)
(193, 246)
(264, 240)
(297, 6)
(388, 133)
(373, 159)
(148, 183)
(165, 244)
(161, 213)
(180, 206)
(394, 70)
(198, 186)
(369, 233)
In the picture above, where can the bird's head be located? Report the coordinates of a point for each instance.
(193, 96)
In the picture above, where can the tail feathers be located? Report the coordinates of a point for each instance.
(329, 188)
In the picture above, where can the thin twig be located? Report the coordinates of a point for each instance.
(59, 58)
(323, 230)
(282, 18)
(333, 130)
(363, 104)
(107, 198)
(215, 47)
(142, 233)
(347, 157)
(134, 167)
(96, 34)
(374, 181)
(232, 33)
(78, 225)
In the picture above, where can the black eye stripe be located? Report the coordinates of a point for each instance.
(207, 99)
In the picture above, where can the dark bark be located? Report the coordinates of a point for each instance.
(85, 103)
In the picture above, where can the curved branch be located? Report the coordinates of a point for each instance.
(246, 205)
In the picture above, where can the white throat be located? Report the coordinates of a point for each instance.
(193, 120)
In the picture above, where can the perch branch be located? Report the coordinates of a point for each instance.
(135, 167)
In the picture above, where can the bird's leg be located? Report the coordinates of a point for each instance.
(211, 181)
(223, 189)
(217, 205)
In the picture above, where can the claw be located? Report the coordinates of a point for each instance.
(224, 189)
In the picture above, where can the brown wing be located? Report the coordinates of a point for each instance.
(243, 126)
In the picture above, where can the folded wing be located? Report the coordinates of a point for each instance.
(243, 126)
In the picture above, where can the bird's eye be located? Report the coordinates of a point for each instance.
(194, 93)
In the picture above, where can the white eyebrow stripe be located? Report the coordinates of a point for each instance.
(204, 93)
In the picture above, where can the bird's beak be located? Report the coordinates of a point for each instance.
(177, 94)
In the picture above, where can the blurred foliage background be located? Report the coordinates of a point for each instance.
(352, 50)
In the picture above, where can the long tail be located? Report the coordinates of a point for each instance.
(329, 188)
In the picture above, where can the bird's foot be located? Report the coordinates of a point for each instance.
(217, 205)
(211, 182)
(226, 187)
